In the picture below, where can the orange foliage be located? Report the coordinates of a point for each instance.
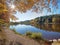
(24, 5)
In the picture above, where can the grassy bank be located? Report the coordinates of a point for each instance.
(35, 36)
(32, 35)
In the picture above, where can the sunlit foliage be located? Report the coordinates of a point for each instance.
(25, 5)
(35, 5)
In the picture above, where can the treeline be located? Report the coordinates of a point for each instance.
(51, 19)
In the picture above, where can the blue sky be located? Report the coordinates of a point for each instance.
(27, 16)
(31, 15)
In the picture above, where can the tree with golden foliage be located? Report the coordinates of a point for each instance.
(25, 5)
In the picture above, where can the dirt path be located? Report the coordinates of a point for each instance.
(11, 38)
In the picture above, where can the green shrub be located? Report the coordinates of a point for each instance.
(28, 33)
(32, 35)
(36, 35)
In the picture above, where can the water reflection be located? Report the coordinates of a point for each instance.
(48, 31)
(49, 27)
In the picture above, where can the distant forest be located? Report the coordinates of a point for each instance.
(51, 19)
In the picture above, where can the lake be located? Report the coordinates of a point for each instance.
(48, 34)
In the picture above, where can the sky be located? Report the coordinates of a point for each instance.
(31, 15)
(27, 16)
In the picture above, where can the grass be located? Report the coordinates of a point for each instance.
(32, 35)
(35, 36)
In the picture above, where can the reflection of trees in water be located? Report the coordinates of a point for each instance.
(49, 27)
(56, 27)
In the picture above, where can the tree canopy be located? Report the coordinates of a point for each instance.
(12, 6)
(35, 5)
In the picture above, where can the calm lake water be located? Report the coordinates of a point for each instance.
(46, 34)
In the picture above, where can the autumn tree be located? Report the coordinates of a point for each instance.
(9, 7)
(3, 12)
